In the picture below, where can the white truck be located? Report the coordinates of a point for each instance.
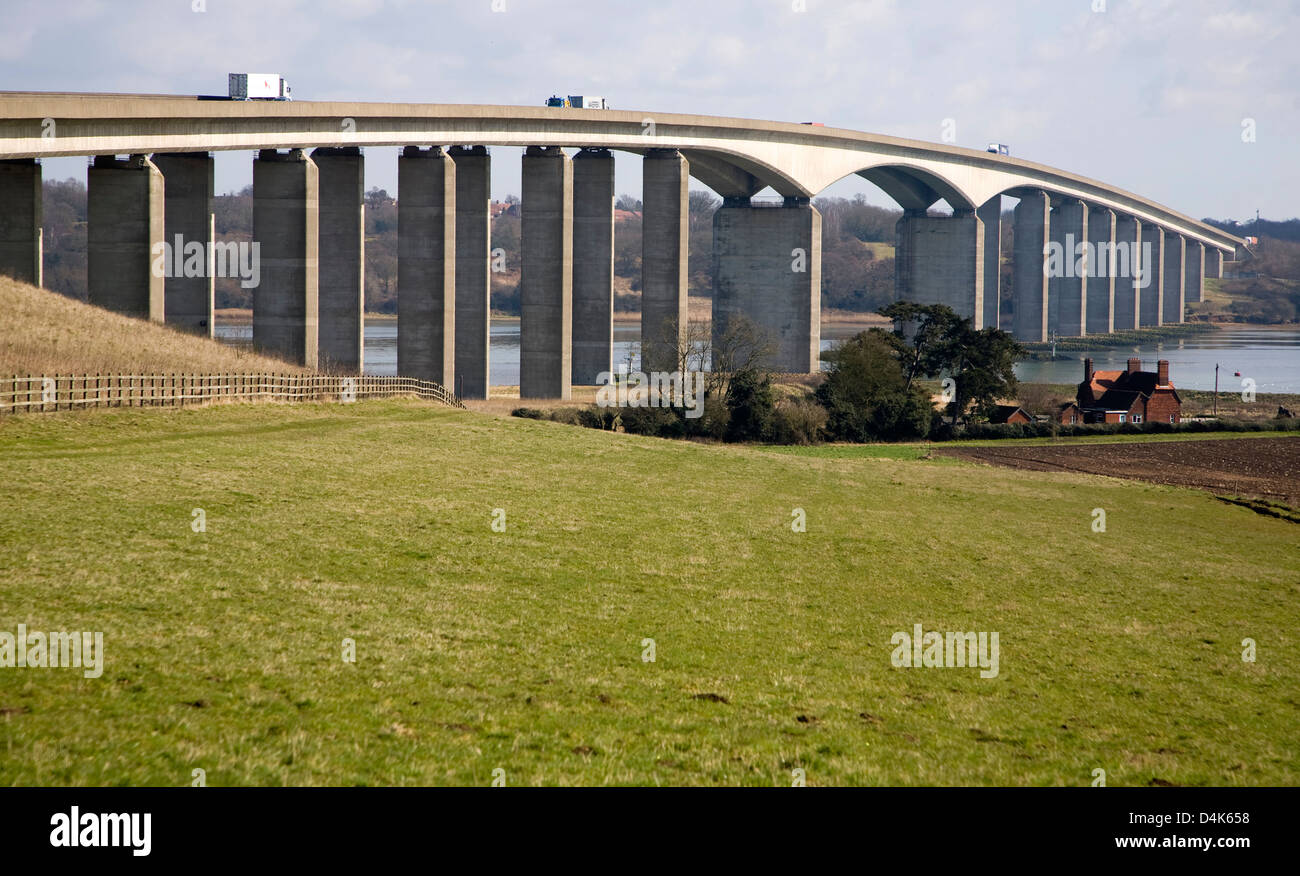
(578, 101)
(999, 149)
(259, 86)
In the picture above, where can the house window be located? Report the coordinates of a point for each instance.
(1137, 418)
(1171, 418)
(1122, 418)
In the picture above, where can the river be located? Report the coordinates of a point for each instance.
(1269, 355)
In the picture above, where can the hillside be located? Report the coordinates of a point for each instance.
(42, 332)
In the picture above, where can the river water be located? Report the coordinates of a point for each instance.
(1269, 355)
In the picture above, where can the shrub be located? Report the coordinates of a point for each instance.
(751, 405)
(798, 421)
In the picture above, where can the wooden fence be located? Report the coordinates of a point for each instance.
(64, 392)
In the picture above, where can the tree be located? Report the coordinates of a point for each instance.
(751, 404)
(867, 395)
(627, 203)
(922, 336)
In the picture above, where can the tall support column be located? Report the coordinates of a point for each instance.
(546, 283)
(940, 260)
(1029, 281)
(1153, 275)
(286, 225)
(20, 220)
(190, 284)
(342, 257)
(665, 234)
(1067, 289)
(1173, 299)
(473, 269)
(1102, 266)
(124, 236)
(1213, 263)
(1194, 282)
(1128, 275)
(426, 265)
(593, 264)
(990, 216)
(767, 270)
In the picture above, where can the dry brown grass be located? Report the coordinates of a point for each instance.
(42, 332)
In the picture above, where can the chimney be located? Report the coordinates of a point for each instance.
(1087, 370)
(1162, 372)
(1134, 366)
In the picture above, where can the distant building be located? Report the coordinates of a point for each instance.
(1010, 414)
(1069, 414)
(1130, 396)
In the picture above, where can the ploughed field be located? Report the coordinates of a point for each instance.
(643, 611)
(1262, 468)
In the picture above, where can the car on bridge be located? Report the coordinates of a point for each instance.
(578, 101)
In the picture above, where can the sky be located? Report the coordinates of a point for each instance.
(1192, 103)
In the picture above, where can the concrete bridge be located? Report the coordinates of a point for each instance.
(307, 218)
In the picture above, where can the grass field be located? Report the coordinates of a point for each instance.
(523, 650)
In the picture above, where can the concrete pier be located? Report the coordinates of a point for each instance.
(188, 230)
(940, 260)
(546, 283)
(473, 269)
(593, 265)
(1213, 263)
(1194, 273)
(990, 216)
(286, 225)
(1128, 235)
(767, 268)
(1067, 287)
(1152, 290)
(665, 247)
(1173, 297)
(426, 265)
(1029, 282)
(1101, 283)
(124, 234)
(342, 297)
(20, 220)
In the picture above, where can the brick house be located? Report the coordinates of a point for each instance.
(1130, 396)
(1010, 414)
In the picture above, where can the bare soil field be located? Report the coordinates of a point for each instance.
(1262, 468)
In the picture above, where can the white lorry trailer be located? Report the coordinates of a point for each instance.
(259, 86)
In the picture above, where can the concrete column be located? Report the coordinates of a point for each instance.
(1101, 281)
(473, 269)
(20, 220)
(593, 264)
(940, 260)
(1194, 273)
(124, 236)
(1173, 298)
(546, 283)
(1128, 242)
(342, 298)
(190, 285)
(665, 234)
(767, 268)
(1067, 287)
(990, 216)
(1153, 275)
(1214, 263)
(286, 225)
(1029, 283)
(426, 265)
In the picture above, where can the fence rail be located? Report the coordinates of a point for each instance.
(63, 392)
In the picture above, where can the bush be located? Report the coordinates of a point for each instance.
(529, 413)
(798, 421)
(751, 406)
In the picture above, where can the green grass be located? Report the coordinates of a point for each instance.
(522, 650)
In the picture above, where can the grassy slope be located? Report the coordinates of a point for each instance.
(522, 650)
(42, 332)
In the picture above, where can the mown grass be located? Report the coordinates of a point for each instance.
(523, 650)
